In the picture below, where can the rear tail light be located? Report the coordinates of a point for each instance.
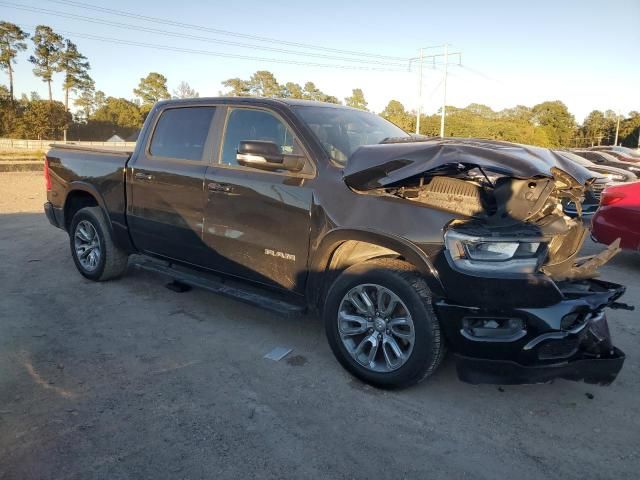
(610, 197)
(47, 176)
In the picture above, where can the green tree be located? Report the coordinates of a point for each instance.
(8, 112)
(555, 119)
(75, 67)
(46, 56)
(151, 89)
(42, 119)
(356, 100)
(293, 90)
(100, 99)
(237, 87)
(12, 41)
(119, 112)
(184, 90)
(595, 128)
(517, 113)
(396, 114)
(629, 134)
(88, 102)
(311, 92)
(264, 84)
(110, 116)
(481, 110)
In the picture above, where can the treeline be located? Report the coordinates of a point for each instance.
(98, 116)
(547, 124)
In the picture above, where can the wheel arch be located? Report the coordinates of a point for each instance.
(341, 248)
(81, 195)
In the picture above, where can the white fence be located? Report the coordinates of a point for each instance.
(13, 143)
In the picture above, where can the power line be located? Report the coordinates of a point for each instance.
(222, 32)
(215, 54)
(479, 73)
(193, 37)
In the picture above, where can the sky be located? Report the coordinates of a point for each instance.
(584, 53)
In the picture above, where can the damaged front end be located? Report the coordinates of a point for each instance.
(521, 305)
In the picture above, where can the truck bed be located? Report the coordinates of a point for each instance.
(98, 172)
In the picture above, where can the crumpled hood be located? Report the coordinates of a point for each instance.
(382, 165)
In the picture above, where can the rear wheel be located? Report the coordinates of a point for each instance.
(381, 325)
(92, 248)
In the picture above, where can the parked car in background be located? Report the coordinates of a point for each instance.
(592, 195)
(613, 174)
(619, 216)
(621, 153)
(605, 158)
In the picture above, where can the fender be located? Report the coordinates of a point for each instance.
(117, 229)
(79, 185)
(321, 254)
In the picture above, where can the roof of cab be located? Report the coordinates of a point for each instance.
(291, 102)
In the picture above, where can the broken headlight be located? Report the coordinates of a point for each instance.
(499, 254)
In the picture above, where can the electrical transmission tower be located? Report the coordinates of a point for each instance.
(446, 55)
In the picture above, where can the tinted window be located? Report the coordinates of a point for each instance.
(182, 132)
(245, 124)
(594, 157)
(343, 130)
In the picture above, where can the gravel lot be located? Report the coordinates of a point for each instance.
(130, 380)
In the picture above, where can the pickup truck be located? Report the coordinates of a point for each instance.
(407, 246)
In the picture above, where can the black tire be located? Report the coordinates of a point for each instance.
(404, 281)
(112, 261)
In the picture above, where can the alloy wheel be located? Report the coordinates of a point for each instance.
(87, 245)
(376, 328)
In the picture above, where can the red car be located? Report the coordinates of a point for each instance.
(619, 216)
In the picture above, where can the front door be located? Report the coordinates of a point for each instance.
(256, 221)
(166, 207)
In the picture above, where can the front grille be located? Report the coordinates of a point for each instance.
(598, 188)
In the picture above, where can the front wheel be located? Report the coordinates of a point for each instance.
(94, 253)
(381, 325)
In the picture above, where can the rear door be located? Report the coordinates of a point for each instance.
(258, 222)
(166, 210)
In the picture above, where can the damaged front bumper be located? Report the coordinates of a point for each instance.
(569, 339)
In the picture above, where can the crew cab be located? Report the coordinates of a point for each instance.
(407, 245)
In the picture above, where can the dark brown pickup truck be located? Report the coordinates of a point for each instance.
(406, 245)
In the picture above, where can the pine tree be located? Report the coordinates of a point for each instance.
(47, 53)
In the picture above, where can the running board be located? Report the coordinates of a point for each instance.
(230, 288)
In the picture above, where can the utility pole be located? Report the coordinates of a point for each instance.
(419, 92)
(444, 96)
(615, 142)
(421, 59)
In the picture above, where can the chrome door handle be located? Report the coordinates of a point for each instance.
(219, 187)
(143, 176)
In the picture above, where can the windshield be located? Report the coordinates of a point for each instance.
(576, 158)
(342, 131)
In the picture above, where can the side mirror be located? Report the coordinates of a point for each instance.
(266, 156)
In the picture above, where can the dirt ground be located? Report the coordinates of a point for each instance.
(128, 380)
(22, 192)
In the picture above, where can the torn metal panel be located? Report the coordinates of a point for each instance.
(383, 165)
(583, 267)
